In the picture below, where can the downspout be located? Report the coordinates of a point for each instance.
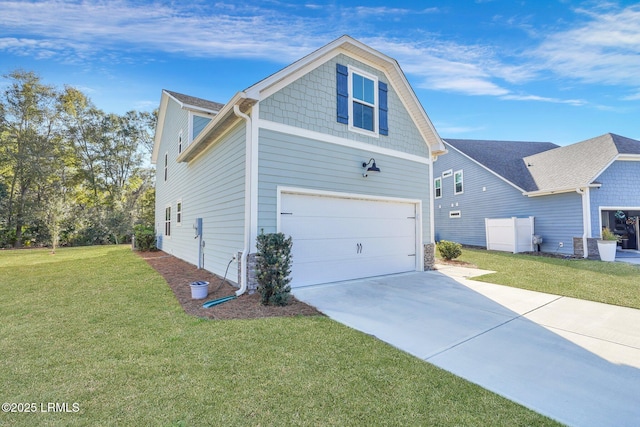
(247, 201)
(586, 219)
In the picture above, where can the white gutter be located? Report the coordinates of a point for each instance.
(586, 219)
(247, 200)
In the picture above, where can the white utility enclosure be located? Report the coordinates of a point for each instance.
(510, 234)
(340, 238)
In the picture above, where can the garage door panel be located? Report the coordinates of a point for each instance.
(309, 273)
(345, 238)
(358, 228)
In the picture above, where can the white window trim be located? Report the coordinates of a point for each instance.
(438, 179)
(461, 181)
(179, 213)
(376, 114)
(168, 236)
(455, 214)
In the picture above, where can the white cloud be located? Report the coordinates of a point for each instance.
(604, 50)
(575, 102)
(632, 97)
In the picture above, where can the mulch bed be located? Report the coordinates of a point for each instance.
(179, 274)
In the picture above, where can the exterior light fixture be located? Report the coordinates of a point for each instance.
(372, 168)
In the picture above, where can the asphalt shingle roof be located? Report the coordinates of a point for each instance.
(505, 158)
(544, 166)
(196, 102)
(578, 165)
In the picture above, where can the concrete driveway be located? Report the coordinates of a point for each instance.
(575, 361)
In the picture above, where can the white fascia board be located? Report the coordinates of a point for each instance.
(162, 113)
(369, 56)
(629, 157)
(558, 190)
(323, 137)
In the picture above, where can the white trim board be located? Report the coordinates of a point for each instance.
(322, 137)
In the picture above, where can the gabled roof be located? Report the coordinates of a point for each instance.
(503, 158)
(578, 165)
(186, 102)
(192, 103)
(351, 47)
(264, 88)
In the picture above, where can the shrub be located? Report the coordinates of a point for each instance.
(273, 265)
(145, 238)
(449, 250)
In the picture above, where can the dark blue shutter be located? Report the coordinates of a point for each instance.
(342, 83)
(383, 109)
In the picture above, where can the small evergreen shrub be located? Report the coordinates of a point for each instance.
(273, 265)
(449, 250)
(145, 238)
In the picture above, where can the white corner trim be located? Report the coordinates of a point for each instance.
(331, 139)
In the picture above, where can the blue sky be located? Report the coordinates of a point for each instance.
(560, 71)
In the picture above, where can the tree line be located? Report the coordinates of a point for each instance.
(70, 174)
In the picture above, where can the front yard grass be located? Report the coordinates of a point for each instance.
(607, 282)
(98, 327)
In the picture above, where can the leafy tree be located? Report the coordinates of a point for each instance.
(70, 173)
(28, 145)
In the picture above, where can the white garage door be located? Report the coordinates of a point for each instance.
(339, 238)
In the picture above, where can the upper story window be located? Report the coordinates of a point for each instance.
(180, 142)
(179, 213)
(166, 165)
(437, 185)
(457, 182)
(363, 104)
(167, 221)
(361, 101)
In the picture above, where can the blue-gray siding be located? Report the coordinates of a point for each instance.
(558, 218)
(210, 187)
(292, 161)
(199, 123)
(620, 188)
(310, 103)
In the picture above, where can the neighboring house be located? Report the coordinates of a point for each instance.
(297, 153)
(572, 191)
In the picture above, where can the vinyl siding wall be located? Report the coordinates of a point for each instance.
(619, 188)
(199, 123)
(210, 187)
(558, 218)
(292, 161)
(310, 103)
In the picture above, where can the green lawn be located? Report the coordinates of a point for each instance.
(607, 282)
(98, 327)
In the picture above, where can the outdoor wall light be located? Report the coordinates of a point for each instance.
(372, 168)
